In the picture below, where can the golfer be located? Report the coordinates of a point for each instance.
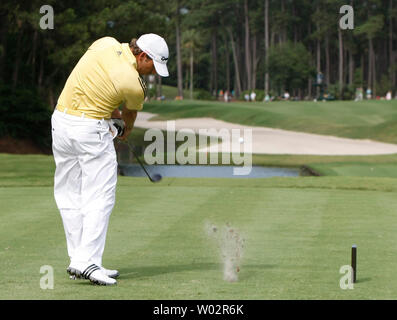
(107, 76)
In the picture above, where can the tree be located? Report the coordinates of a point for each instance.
(266, 32)
(190, 42)
(370, 29)
(289, 66)
(392, 57)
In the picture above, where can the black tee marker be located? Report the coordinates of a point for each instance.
(354, 262)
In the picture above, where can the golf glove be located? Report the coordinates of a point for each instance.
(119, 125)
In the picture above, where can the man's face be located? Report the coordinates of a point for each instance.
(145, 65)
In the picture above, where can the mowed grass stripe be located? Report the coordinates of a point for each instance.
(208, 271)
(351, 218)
(156, 217)
(32, 236)
(183, 251)
(296, 240)
(283, 233)
(179, 250)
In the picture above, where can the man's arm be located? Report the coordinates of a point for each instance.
(116, 114)
(129, 117)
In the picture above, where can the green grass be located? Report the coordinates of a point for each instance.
(298, 231)
(375, 120)
(347, 166)
(298, 234)
(356, 169)
(171, 92)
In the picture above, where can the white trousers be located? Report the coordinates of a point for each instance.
(84, 184)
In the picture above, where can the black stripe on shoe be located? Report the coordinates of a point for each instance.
(89, 270)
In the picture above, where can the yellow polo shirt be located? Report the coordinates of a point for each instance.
(103, 79)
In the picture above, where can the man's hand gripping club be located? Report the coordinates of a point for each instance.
(124, 122)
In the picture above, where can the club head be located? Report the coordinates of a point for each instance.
(156, 177)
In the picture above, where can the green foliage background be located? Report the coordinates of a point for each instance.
(36, 62)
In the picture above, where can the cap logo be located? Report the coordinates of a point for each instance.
(164, 59)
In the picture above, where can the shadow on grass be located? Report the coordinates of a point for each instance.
(151, 271)
(247, 271)
(363, 280)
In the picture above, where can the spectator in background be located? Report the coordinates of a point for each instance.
(226, 96)
(359, 94)
(253, 96)
(286, 95)
(388, 95)
(369, 93)
(267, 98)
(247, 97)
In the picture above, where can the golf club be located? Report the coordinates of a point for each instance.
(119, 125)
(156, 177)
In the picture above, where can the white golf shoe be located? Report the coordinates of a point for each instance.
(110, 273)
(92, 273)
(98, 277)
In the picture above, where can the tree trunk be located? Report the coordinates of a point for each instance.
(369, 83)
(227, 65)
(214, 68)
(236, 64)
(295, 24)
(248, 65)
(41, 72)
(254, 62)
(178, 53)
(266, 45)
(51, 99)
(345, 66)
(35, 36)
(17, 60)
(186, 86)
(283, 31)
(373, 70)
(242, 69)
(341, 85)
(318, 64)
(327, 62)
(309, 82)
(318, 54)
(272, 36)
(191, 73)
(391, 53)
(362, 62)
(351, 67)
(3, 42)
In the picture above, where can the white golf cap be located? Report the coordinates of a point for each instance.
(157, 49)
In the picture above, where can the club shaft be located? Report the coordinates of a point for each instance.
(354, 262)
(139, 161)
